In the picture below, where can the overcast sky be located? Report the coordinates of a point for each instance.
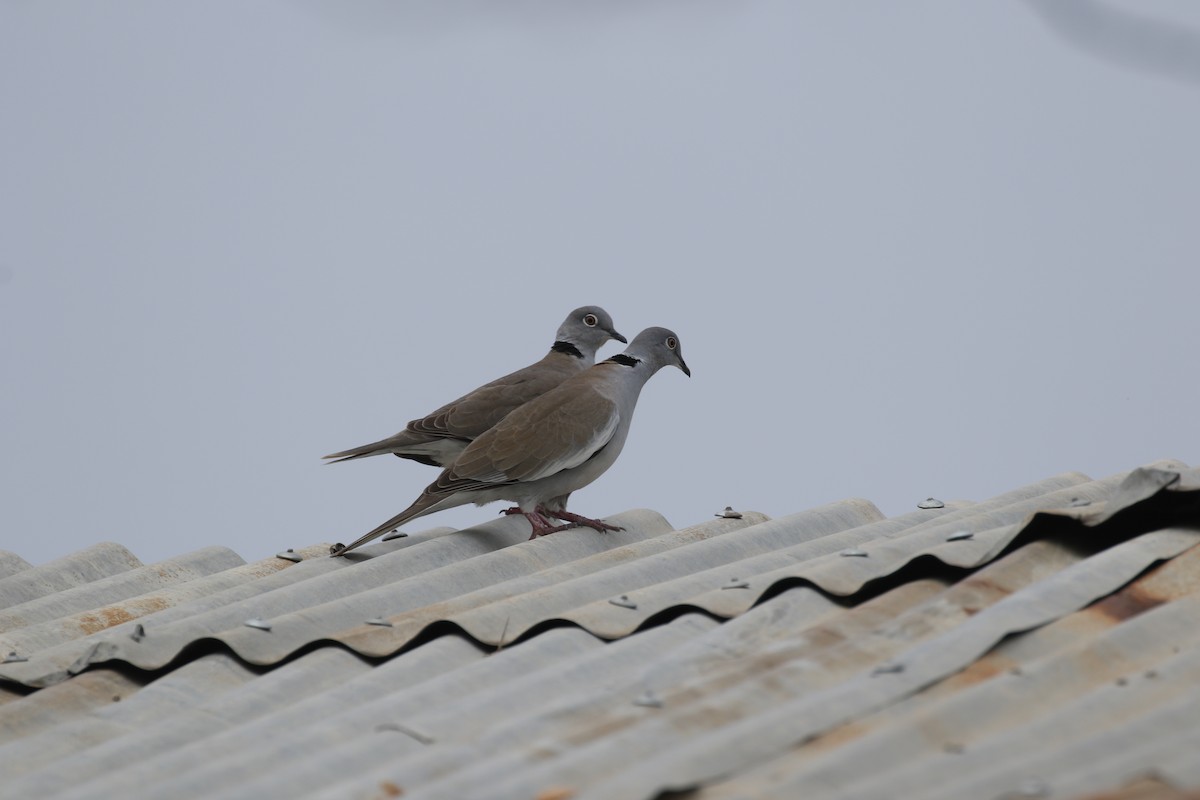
(910, 249)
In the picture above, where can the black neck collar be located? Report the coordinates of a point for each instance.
(624, 360)
(566, 347)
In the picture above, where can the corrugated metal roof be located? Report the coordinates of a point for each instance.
(1039, 644)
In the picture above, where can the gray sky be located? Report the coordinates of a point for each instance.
(911, 249)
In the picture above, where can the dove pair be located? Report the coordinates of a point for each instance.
(535, 435)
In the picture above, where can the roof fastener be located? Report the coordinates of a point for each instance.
(290, 555)
(623, 601)
(954, 748)
(1080, 502)
(397, 534)
(392, 727)
(853, 552)
(13, 658)
(960, 536)
(258, 622)
(734, 583)
(931, 502)
(729, 513)
(888, 669)
(380, 621)
(648, 699)
(138, 633)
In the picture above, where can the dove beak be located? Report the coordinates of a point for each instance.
(683, 365)
(616, 336)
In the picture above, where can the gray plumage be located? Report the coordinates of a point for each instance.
(552, 445)
(438, 437)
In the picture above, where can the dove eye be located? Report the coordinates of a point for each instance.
(671, 343)
(590, 320)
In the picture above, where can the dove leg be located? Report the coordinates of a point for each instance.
(542, 526)
(577, 521)
(539, 519)
(541, 516)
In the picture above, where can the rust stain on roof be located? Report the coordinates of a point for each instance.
(109, 616)
(923, 670)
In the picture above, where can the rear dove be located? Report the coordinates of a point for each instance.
(440, 436)
(551, 446)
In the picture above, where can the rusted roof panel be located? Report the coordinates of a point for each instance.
(931, 738)
(39, 623)
(980, 650)
(315, 583)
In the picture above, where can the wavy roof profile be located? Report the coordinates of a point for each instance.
(1039, 644)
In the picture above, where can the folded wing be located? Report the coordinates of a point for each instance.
(558, 431)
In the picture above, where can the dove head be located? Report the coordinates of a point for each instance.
(657, 348)
(587, 328)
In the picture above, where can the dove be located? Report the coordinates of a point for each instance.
(551, 446)
(441, 435)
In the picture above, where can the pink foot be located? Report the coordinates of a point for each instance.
(542, 526)
(576, 521)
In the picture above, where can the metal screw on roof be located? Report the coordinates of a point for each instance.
(13, 658)
(1122, 681)
(853, 552)
(954, 748)
(1080, 502)
(392, 727)
(734, 583)
(394, 535)
(960, 536)
(931, 502)
(729, 513)
(887, 669)
(258, 622)
(139, 633)
(290, 555)
(648, 699)
(623, 601)
(1152, 673)
(380, 621)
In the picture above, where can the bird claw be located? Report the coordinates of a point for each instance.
(539, 520)
(551, 529)
(541, 526)
(579, 522)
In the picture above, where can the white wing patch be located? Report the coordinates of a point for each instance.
(575, 456)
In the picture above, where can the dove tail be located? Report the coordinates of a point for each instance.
(423, 505)
(373, 449)
(436, 451)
